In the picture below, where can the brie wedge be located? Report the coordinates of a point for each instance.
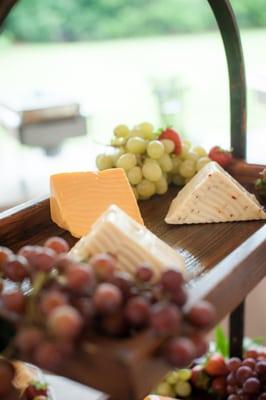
(131, 243)
(213, 195)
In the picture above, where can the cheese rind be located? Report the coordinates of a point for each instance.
(213, 195)
(79, 198)
(131, 243)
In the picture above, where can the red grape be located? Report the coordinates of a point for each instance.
(202, 314)
(261, 368)
(251, 386)
(144, 273)
(48, 356)
(104, 265)
(231, 378)
(7, 373)
(5, 253)
(179, 351)
(65, 321)
(16, 268)
(85, 307)
(137, 311)
(107, 298)
(58, 244)
(123, 281)
(231, 389)
(14, 301)
(114, 324)
(179, 296)
(50, 300)
(200, 344)
(234, 363)
(262, 396)
(80, 277)
(243, 373)
(233, 397)
(28, 339)
(165, 319)
(40, 258)
(249, 362)
(63, 262)
(199, 378)
(171, 280)
(219, 385)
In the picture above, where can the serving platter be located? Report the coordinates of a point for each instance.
(225, 261)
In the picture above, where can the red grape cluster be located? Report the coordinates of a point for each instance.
(9, 391)
(61, 300)
(247, 378)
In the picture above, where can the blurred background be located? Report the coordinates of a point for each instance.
(95, 64)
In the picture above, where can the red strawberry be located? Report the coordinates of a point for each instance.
(222, 157)
(36, 389)
(171, 134)
(216, 365)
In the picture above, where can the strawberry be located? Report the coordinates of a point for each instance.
(221, 156)
(216, 365)
(36, 389)
(171, 134)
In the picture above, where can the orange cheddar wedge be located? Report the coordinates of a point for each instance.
(78, 199)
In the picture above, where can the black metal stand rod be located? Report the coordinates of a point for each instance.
(237, 328)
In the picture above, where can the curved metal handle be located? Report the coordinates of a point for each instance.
(226, 20)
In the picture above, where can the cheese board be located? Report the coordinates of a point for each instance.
(227, 258)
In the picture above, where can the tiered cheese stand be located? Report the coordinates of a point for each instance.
(226, 260)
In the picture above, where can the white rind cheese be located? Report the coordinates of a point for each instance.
(132, 244)
(213, 195)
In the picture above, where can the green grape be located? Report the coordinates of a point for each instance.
(166, 163)
(150, 160)
(104, 161)
(126, 161)
(176, 164)
(135, 192)
(152, 172)
(136, 145)
(146, 130)
(135, 132)
(121, 131)
(164, 389)
(169, 145)
(200, 151)
(117, 153)
(155, 149)
(134, 175)
(161, 185)
(184, 374)
(183, 389)
(139, 160)
(169, 178)
(201, 162)
(146, 188)
(192, 156)
(118, 141)
(178, 180)
(172, 377)
(187, 143)
(184, 151)
(187, 169)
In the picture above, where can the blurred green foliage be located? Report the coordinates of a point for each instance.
(70, 20)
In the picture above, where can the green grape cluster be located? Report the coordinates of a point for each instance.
(151, 163)
(176, 384)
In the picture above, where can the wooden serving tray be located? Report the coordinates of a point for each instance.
(225, 262)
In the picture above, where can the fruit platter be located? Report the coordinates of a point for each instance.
(124, 270)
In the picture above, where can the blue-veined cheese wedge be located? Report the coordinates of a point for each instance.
(213, 195)
(132, 244)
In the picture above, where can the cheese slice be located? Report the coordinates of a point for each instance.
(132, 244)
(79, 198)
(213, 195)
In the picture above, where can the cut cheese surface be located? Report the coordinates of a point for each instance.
(213, 195)
(79, 198)
(132, 244)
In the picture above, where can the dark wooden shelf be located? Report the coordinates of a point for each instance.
(225, 262)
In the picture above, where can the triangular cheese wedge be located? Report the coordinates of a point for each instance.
(213, 195)
(131, 243)
(79, 198)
